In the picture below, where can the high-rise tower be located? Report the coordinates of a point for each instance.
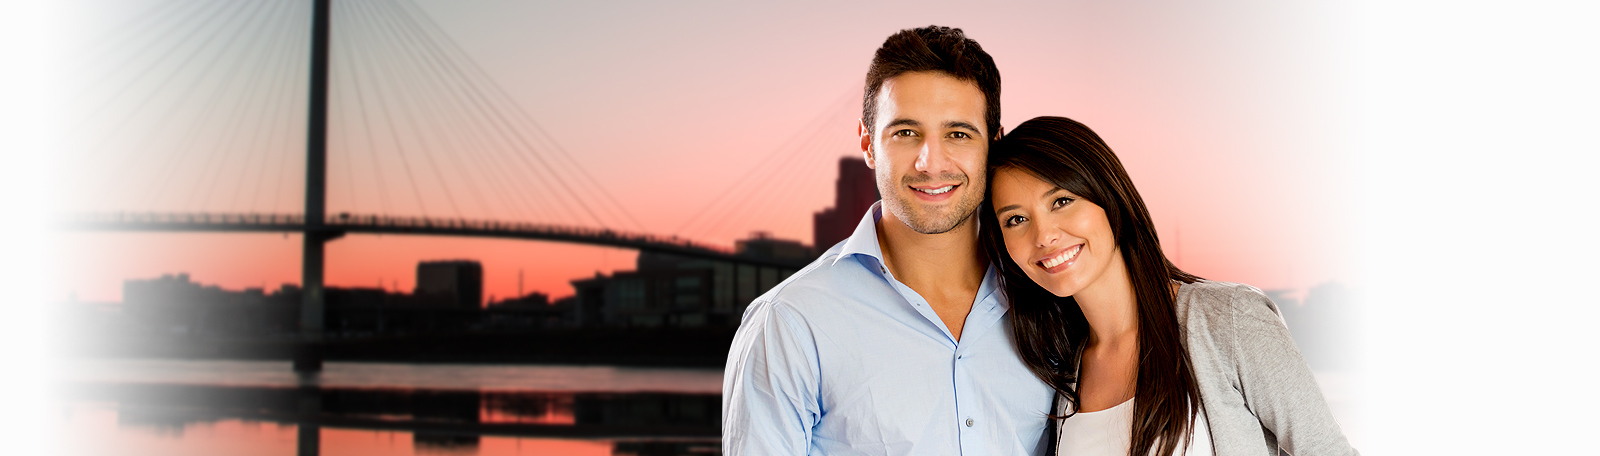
(854, 193)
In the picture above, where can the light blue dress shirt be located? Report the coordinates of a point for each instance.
(841, 358)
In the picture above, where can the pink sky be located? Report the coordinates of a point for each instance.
(1228, 116)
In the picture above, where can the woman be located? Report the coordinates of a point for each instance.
(1147, 359)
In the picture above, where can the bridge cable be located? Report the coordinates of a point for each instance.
(130, 57)
(503, 96)
(760, 193)
(119, 164)
(372, 15)
(403, 102)
(508, 131)
(469, 142)
(120, 36)
(435, 63)
(280, 111)
(264, 115)
(432, 98)
(811, 173)
(440, 63)
(212, 158)
(715, 202)
(361, 109)
(298, 85)
(393, 132)
(760, 168)
(190, 139)
(239, 7)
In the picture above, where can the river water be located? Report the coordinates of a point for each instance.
(172, 407)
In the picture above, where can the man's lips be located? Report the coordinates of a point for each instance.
(934, 192)
(1060, 260)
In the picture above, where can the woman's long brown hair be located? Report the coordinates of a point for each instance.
(1051, 332)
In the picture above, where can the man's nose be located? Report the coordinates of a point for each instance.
(934, 158)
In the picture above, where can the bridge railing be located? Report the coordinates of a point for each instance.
(508, 227)
(358, 222)
(183, 218)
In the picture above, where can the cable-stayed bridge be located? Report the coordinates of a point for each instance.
(382, 224)
(193, 110)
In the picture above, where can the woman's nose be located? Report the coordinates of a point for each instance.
(1047, 236)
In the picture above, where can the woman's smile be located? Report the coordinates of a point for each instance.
(1060, 260)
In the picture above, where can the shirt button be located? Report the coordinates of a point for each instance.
(969, 422)
(881, 269)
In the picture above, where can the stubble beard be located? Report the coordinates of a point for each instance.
(917, 215)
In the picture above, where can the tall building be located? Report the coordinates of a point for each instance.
(455, 283)
(854, 193)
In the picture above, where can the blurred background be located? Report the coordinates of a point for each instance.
(541, 222)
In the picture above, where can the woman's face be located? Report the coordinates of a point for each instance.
(1063, 242)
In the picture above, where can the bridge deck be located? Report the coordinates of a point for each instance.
(379, 224)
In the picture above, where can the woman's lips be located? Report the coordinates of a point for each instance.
(1061, 260)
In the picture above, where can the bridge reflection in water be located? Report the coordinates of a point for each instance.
(455, 420)
(204, 407)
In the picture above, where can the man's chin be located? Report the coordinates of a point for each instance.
(934, 222)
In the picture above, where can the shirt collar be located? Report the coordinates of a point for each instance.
(864, 240)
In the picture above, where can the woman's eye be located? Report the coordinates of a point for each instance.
(1061, 202)
(1015, 220)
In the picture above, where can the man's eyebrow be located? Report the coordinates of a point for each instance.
(961, 124)
(902, 121)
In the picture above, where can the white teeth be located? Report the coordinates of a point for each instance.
(937, 190)
(1062, 258)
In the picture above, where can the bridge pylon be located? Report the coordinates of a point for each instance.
(308, 351)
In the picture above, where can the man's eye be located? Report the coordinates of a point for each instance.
(1061, 202)
(905, 133)
(960, 135)
(1015, 220)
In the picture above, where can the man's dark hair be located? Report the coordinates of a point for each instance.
(934, 48)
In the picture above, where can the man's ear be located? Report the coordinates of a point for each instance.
(866, 142)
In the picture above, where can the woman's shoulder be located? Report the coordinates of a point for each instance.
(1226, 301)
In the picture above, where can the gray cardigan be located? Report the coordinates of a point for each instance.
(1257, 391)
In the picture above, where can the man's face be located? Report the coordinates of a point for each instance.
(928, 150)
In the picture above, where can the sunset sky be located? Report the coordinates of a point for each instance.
(1228, 116)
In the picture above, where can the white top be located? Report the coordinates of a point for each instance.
(1109, 432)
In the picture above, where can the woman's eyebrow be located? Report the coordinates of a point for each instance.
(1046, 194)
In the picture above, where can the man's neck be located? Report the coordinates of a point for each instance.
(946, 269)
(944, 258)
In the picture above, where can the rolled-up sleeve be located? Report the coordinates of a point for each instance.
(770, 386)
(1277, 384)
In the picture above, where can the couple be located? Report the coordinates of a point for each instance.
(1045, 320)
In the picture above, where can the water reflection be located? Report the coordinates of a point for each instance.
(314, 418)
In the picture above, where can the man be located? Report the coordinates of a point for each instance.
(896, 340)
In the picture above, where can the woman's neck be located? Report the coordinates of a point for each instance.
(1110, 306)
